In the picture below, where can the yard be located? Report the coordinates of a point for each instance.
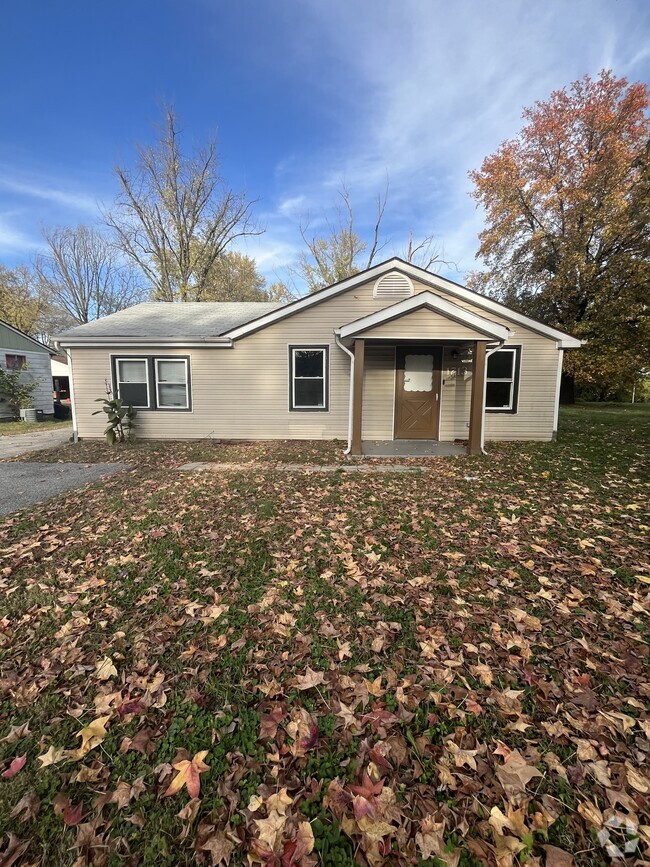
(283, 668)
(11, 428)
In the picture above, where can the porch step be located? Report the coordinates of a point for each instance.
(410, 448)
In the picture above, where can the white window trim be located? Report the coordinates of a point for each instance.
(160, 405)
(305, 347)
(516, 354)
(118, 360)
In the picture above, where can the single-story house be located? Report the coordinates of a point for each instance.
(392, 353)
(18, 349)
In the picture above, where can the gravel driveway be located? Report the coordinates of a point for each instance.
(23, 484)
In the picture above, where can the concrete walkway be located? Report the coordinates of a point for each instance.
(19, 444)
(200, 466)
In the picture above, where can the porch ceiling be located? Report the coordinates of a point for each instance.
(425, 316)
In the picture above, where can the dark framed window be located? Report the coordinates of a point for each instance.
(132, 380)
(308, 378)
(15, 362)
(502, 382)
(153, 382)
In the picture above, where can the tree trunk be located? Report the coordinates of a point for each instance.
(568, 389)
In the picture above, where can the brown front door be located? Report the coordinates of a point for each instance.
(417, 392)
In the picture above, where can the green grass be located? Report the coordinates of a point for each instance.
(11, 428)
(485, 604)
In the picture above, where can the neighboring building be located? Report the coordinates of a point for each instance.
(18, 349)
(60, 378)
(393, 353)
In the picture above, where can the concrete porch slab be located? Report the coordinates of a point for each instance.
(410, 449)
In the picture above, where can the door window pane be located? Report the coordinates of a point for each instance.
(418, 372)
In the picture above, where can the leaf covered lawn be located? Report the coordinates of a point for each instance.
(284, 669)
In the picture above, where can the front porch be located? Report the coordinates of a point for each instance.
(410, 449)
(403, 357)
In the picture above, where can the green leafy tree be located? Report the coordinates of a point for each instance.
(567, 235)
(17, 387)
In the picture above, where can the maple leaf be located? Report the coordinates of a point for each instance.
(309, 679)
(104, 669)
(270, 723)
(16, 733)
(188, 775)
(91, 736)
(270, 829)
(27, 808)
(53, 756)
(515, 774)
(15, 767)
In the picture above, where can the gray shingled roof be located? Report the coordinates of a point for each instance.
(194, 320)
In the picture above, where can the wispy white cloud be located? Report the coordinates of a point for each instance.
(432, 88)
(13, 241)
(68, 198)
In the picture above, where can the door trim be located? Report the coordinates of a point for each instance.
(400, 352)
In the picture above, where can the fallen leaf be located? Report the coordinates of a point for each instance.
(15, 767)
(92, 736)
(309, 679)
(104, 669)
(188, 775)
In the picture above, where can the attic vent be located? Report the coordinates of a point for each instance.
(393, 285)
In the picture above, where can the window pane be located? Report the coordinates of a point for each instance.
(309, 392)
(500, 364)
(172, 395)
(15, 362)
(497, 395)
(418, 373)
(308, 362)
(132, 371)
(133, 393)
(171, 371)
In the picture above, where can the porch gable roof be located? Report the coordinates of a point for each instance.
(426, 300)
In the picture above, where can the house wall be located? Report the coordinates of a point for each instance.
(39, 369)
(242, 392)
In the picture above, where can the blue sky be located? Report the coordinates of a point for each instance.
(302, 94)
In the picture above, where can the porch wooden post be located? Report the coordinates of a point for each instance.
(477, 403)
(357, 396)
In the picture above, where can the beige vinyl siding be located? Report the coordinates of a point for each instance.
(378, 392)
(422, 324)
(243, 392)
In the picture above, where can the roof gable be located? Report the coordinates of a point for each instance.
(455, 290)
(476, 326)
(14, 338)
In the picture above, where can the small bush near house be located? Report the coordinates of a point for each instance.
(17, 389)
(120, 420)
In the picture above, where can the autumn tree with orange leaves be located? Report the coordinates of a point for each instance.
(567, 235)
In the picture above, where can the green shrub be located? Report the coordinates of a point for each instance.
(120, 420)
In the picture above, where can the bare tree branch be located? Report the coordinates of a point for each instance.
(83, 273)
(175, 215)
